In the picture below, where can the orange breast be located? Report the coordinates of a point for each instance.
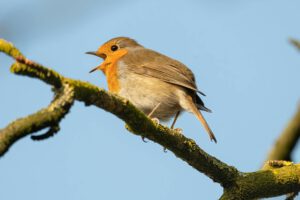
(110, 69)
(112, 78)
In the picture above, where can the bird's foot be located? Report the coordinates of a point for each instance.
(178, 130)
(165, 150)
(144, 140)
(155, 120)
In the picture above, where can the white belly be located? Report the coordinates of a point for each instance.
(147, 92)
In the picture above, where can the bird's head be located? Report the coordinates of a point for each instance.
(112, 50)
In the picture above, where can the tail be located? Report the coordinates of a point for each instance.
(203, 122)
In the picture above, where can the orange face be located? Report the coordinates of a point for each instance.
(111, 53)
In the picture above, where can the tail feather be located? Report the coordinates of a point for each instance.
(200, 105)
(204, 123)
(204, 108)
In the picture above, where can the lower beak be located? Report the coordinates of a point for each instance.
(96, 68)
(101, 55)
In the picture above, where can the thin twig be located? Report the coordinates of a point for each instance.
(46, 117)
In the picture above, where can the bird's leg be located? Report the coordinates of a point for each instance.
(156, 120)
(175, 119)
(154, 109)
(153, 119)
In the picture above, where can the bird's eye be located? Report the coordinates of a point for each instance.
(114, 47)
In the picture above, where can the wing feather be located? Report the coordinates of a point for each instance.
(152, 64)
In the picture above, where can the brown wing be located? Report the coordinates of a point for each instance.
(152, 64)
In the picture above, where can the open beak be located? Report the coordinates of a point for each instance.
(101, 55)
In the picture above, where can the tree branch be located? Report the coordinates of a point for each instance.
(295, 42)
(287, 141)
(237, 185)
(270, 182)
(46, 117)
(137, 122)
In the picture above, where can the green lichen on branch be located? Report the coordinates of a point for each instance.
(237, 185)
(28, 68)
(9, 49)
(265, 183)
(46, 117)
(138, 122)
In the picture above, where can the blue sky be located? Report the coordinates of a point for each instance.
(242, 60)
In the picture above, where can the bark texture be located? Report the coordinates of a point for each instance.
(276, 178)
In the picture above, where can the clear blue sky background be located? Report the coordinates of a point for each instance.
(238, 50)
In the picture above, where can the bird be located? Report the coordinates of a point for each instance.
(156, 84)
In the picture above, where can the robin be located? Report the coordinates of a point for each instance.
(158, 85)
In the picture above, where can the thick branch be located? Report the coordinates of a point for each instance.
(287, 141)
(237, 185)
(265, 183)
(137, 121)
(140, 124)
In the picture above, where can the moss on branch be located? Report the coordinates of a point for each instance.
(26, 67)
(46, 117)
(270, 182)
(9, 49)
(137, 121)
(237, 185)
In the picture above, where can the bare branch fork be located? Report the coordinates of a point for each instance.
(275, 179)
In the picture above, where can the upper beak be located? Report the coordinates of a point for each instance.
(101, 55)
(92, 53)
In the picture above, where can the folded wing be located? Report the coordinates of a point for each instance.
(152, 64)
(149, 63)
